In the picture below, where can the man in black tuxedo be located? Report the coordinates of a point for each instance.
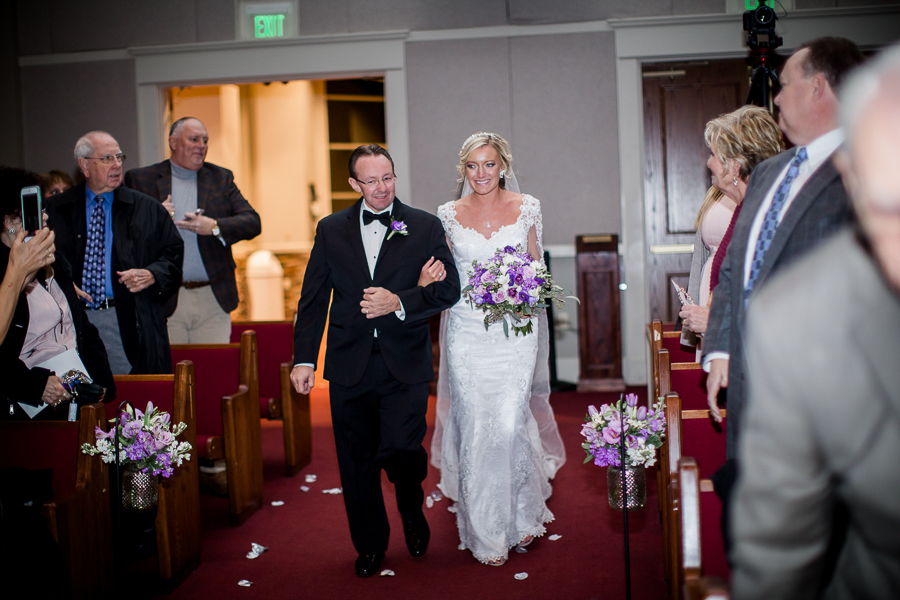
(367, 259)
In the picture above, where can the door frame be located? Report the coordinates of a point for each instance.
(310, 57)
(694, 37)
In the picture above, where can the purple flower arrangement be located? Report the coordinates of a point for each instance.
(644, 432)
(512, 283)
(145, 439)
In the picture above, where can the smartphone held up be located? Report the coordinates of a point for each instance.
(32, 213)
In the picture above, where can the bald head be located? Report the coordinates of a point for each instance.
(100, 160)
(189, 143)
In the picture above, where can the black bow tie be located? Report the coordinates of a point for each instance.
(384, 218)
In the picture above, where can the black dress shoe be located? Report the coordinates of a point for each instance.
(417, 535)
(368, 564)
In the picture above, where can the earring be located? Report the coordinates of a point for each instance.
(735, 181)
(502, 173)
(12, 231)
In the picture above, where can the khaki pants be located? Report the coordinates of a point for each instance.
(199, 319)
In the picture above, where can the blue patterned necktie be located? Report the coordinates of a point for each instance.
(770, 221)
(93, 279)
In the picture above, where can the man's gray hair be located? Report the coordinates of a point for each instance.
(880, 75)
(84, 147)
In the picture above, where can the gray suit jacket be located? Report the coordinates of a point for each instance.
(822, 426)
(819, 209)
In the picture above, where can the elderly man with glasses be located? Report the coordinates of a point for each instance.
(126, 256)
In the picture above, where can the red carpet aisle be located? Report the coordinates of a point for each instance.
(310, 554)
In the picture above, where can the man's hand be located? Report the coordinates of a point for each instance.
(82, 294)
(199, 224)
(136, 280)
(378, 302)
(718, 379)
(169, 206)
(303, 378)
(696, 318)
(432, 271)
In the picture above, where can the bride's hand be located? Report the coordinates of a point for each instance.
(432, 271)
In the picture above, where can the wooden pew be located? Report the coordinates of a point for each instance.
(275, 343)
(682, 432)
(78, 515)
(692, 523)
(178, 512)
(226, 396)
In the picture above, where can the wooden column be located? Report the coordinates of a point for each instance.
(599, 330)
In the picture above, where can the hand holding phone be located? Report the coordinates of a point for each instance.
(32, 214)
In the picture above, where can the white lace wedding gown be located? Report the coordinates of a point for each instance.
(489, 447)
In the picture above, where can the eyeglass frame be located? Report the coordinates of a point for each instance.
(372, 184)
(109, 158)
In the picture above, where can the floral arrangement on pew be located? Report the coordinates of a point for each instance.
(146, 440)
(644, 431)
(512, 283)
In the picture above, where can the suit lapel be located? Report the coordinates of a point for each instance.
(397, 213)
(877, 316)
(824, 175)
(203, 185)
(164, 181)
(355, 236)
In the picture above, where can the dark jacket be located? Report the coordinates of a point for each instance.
(144, 237)
(221, 200)
(338, 272)
(21, 384)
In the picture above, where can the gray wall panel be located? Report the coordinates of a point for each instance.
(697, 7)
(523, 12)
(63, 102)
(318, 17)
(450, 14)
(33, 32)
(454, 89)
(215, 20)
(565, 131)
(109, 24)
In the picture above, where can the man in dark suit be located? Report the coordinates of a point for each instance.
(211, 215)
(125, 254)
(822, 431)
(366, 260)
(794, 200)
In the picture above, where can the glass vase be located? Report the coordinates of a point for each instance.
(140, 491)
(636, 479)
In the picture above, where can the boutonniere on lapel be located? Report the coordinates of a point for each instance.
(397, 227)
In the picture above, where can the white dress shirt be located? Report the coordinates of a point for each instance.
(817, 152)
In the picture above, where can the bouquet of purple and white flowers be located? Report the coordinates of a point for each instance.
(644, 431)
(146, 440)
(512, 283)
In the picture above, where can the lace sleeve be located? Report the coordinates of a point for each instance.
(531, 208)
(446, 212)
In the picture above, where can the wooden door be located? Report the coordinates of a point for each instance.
(679, 99)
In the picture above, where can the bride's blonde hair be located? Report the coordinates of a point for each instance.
(476, 141)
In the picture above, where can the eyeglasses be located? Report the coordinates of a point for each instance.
(108, 159)
(374, 182)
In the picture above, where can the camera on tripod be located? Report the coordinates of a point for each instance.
(760, 25)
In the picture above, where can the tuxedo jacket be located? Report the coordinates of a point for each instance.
(221, 200)
(819, 209)
(21, 384)
(144, 237)
(822, 429)
(338, 271)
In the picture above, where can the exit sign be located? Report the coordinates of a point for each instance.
(268, 26)
(266, 20)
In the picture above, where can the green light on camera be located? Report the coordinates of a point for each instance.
(753, 4)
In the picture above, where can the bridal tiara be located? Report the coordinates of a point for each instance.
(490, 137)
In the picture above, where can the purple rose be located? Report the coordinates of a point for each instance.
(509, 250)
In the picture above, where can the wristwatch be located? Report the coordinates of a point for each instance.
(215, 230)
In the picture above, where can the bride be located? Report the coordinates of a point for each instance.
(496, 441)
